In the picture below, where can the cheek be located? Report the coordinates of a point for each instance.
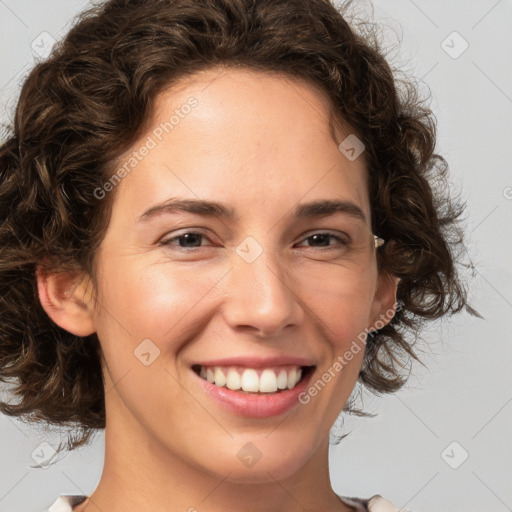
(147, 314)
(342, 305)
(150, 301)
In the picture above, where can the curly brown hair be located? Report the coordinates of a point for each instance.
(83, 107)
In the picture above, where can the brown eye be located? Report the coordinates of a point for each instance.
(325, 239)
(190, 240)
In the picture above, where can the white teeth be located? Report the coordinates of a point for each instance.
(282, 380)
(291, 378)
(233, 380)
(252, 380)
(220, 378)
(268, 381)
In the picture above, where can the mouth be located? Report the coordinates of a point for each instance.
(255, 381)
(253, 386)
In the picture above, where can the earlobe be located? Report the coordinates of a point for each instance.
(384, 304)
(63, 297)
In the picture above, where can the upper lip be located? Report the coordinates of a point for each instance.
(257, 362)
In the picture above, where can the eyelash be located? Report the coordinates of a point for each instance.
(168, 242)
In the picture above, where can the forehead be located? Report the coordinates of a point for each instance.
(248, 134)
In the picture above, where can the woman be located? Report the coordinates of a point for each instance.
(217, 217)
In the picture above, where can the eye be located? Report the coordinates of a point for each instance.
(322, 240)
(187, 240)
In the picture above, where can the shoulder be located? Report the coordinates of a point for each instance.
(65, 503)
(379, 504)
(374, 504)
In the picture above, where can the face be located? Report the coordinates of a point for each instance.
(244, 292)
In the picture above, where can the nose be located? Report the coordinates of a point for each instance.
(261, 297)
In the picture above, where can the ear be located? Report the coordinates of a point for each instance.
(65, 299)
(384, 301)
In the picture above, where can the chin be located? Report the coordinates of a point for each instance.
(260, 461)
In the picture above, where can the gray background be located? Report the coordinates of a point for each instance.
(414, 452)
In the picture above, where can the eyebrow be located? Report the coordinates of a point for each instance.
(313, 209)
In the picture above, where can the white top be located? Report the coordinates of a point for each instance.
(376, 503)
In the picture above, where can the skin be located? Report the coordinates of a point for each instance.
(261, 144)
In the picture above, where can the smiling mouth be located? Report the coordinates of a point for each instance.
(254, 380)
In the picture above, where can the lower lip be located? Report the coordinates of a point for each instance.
(253, 405)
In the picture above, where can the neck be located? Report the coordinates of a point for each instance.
(150, 478)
